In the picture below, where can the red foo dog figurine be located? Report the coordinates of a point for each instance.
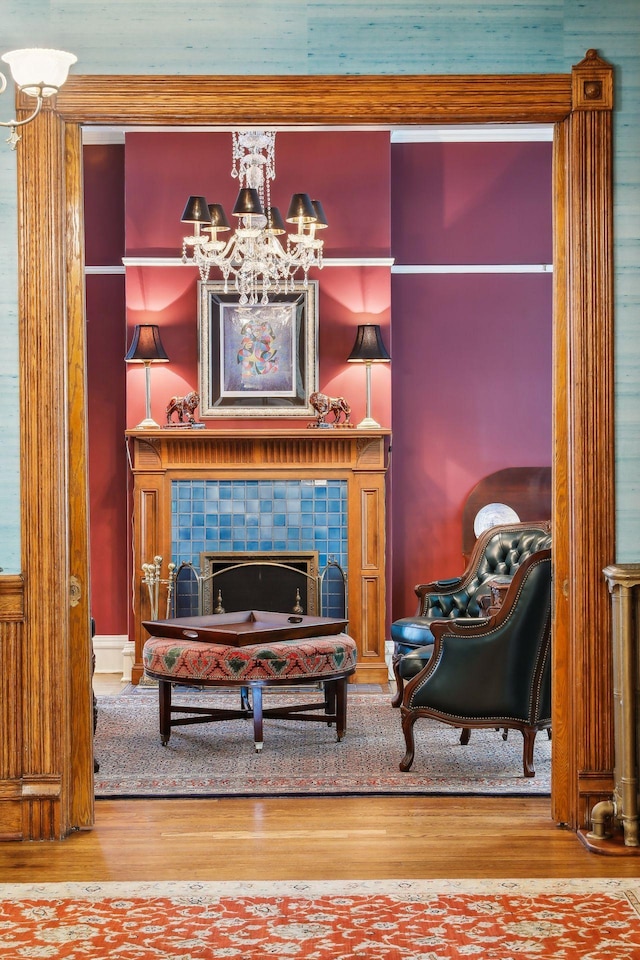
(184, 407)
(325, 406)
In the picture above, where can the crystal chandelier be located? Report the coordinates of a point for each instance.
(254, 260)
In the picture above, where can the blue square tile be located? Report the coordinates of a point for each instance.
(279, 520)
(279, 544)
(238, 492)
(266, 506)
(197, 520)
(279, 490)
(212, 491)
(225, 490)
(266, 544)
(225, 535)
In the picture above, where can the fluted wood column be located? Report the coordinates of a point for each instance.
(583, 677)
(54, 693)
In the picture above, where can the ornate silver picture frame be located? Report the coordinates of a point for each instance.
(257, 360)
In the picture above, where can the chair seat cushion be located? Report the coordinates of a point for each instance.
(195, 661)
(411, 632)
(415, 661)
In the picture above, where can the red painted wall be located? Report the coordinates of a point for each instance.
(104, 219)
(162, 170)
(470, 377)
(471, 368)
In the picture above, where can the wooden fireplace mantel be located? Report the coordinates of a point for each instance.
(360, 457)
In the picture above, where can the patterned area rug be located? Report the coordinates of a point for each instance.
(218, 759)
(375, 920)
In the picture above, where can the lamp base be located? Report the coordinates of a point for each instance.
(368, 424)
(147, 424)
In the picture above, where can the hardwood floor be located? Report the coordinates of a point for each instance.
(314, 839)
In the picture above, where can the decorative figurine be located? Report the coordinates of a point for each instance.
(184, 407)
(325, 406)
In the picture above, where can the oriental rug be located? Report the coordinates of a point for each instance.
(331, 920)
(219, 759)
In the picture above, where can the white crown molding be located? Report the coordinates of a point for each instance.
(473, 268)
(412, 268)
(177, 262)
(438, 133)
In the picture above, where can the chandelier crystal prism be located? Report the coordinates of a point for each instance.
(255, 261)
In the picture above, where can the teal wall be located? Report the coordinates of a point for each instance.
(349, 37)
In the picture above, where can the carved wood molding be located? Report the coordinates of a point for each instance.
(317, 99)
(52, 680)
(267, 454)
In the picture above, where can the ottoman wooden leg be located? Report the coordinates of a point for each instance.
(257, 718)
(341, 707)
(164, 700)
(330, 698)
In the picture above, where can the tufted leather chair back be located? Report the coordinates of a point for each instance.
(498, 553)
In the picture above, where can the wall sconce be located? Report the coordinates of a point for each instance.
(146, 347)
(368, 349)
(37, 72)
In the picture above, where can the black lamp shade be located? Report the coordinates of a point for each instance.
(321, 218)
(218, 217)
(196, 211)
(369, 347)
(248, 203)
(301, 209)
(275, 223)
(146, 345)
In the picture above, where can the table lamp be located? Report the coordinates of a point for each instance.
(146, 347)
(368, 349)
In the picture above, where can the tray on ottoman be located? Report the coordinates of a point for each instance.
(245, 627)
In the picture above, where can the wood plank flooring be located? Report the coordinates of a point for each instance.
(314, 839)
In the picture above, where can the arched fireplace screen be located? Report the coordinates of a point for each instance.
(284, 583)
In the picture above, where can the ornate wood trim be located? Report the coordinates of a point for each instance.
(274, 454)
(51, 360)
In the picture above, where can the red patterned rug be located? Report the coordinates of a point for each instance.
(375, 920)
(219, 759)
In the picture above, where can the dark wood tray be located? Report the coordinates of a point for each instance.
(244, 627)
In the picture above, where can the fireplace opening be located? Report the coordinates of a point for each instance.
(279, 582)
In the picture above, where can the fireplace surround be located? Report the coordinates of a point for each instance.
(268, 491)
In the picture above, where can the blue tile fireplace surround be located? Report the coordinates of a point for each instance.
(264, 519)
(259, 515)
(289, 491)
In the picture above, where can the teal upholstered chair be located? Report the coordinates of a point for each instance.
(498, 553)
(492, 672)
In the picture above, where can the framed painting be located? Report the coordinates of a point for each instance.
(257, 360)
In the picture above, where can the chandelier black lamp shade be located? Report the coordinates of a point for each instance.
(368, 348)
(253, 259)
(146, 347)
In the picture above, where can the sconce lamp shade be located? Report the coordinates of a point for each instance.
(146, 345)
(37, 71)
(368, 347)
(196, 211)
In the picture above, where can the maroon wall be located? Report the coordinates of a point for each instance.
(470, 377)
(471, 353)
(162, 170)
(104, 219)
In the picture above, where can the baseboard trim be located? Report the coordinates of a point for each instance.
(114, 654)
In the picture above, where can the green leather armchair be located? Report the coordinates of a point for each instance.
(494, 672)
(498, 552)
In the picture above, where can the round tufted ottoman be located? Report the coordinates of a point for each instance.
(328, 660)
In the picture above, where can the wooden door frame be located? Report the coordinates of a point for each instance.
(49, 757)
